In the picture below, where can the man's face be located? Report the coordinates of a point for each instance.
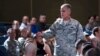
(42, 19)
(33, 21)
(97, 18)
(12, 34)
(25, 19)
(15, 25)
(39, 39)
(91, 20)
(65, 12)
(24, 33)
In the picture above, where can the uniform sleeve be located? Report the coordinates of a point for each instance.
(80, 34)
(51, 31)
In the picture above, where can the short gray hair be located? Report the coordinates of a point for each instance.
(67, 5)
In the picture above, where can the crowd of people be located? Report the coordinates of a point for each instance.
(93, 21)
(89, 46)
(23, 39)
(65, 37)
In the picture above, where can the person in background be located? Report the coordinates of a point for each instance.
(97, 21)
(11, 44)
(30, 46)
(35, 46)
(96, 40)
(24, 34)
(34, 26)
(78, 46)
(88, 50)
(51, 42)
(90, 25)
(25, 22)
(15, 26)
(42, 23)
(21, 40)
(87, 37)
(43, 48)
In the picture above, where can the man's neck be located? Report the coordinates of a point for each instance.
(67, 18)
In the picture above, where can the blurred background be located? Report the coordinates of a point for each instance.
(15, 9)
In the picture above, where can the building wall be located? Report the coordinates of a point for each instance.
(82, 9)
(99, 7)
(15, 9)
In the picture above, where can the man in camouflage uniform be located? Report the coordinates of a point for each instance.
(66, 30)
(11, 44)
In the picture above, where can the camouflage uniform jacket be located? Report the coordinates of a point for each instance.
(11, 45)
(66, 36)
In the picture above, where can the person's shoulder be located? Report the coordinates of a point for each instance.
(7, 40)
(22, 24)
(59, 19)
(74, 21)
(20, 38)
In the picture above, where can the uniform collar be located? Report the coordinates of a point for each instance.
(68, 22)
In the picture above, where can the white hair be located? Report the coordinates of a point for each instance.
(65, 5)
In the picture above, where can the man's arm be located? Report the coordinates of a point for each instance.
(51, 31)
(80, 34)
